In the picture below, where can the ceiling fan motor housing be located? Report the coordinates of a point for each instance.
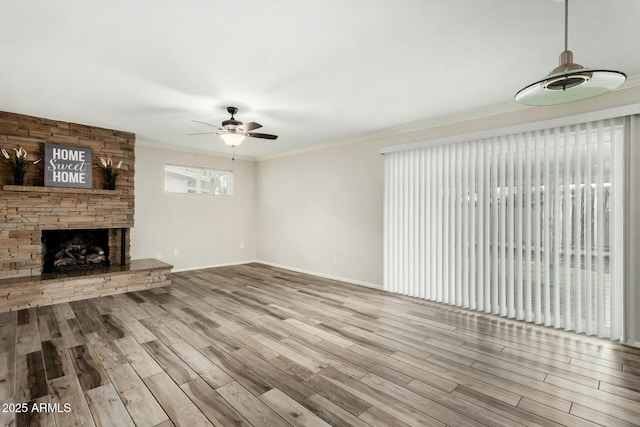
(231, 124)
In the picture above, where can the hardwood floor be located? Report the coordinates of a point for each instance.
(256, 345)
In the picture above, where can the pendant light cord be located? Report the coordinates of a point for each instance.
(566, 25)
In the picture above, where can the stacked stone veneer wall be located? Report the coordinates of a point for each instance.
(26, 211)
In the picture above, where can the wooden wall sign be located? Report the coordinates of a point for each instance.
(67, 166)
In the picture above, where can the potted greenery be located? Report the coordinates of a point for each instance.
(110, 171)
(18, 163)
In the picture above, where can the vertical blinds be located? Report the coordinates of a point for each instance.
(526, 226)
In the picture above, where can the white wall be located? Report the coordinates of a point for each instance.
(205, 230)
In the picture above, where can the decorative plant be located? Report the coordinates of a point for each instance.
(110, 171)
(18, 163)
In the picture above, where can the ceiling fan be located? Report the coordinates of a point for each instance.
(233, 131)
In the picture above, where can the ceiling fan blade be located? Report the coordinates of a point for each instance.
(261, 135)
(248, 127)
(208, 124)
(205, 133)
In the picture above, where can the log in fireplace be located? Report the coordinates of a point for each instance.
(68, 250)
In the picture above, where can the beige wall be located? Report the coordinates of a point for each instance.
(632, 295)
(315, 205)
(323, 205)
(302, 210)
(205, 230)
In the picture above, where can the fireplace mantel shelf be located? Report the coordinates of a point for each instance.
(40, 189)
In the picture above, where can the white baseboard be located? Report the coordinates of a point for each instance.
(323, 275)
(285, 267)
(202, 267)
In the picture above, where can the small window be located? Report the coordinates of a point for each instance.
(193, 180)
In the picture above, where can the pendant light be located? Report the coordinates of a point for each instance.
(569, 82)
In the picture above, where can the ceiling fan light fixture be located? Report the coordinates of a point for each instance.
(232, 139)
(569, 82)
(233, 131)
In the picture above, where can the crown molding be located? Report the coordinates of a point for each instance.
(431, 123)
(633, 81)
(394, 131)
(604, 114)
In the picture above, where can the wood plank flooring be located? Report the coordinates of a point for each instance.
(253, 345)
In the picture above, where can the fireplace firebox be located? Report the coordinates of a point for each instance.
(68, 250)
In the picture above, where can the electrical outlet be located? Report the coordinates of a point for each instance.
(334, 260)
(241, 245)
(175, 252)
(158, 255)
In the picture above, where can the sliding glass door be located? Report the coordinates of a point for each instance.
(526, 226)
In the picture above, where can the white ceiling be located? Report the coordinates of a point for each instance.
(311, 72)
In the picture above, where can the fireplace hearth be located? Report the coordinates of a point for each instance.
(69, 250)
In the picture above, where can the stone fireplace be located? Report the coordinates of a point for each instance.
(33, 211)
(41, 225)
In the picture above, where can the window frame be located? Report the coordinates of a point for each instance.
(198, 171)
